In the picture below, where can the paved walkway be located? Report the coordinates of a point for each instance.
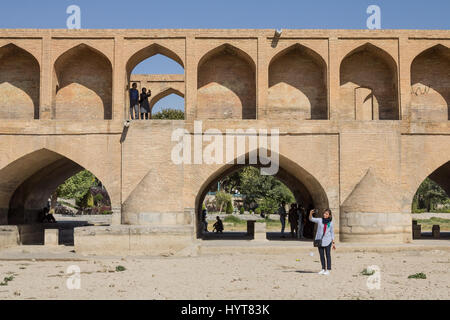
(429, 215)
(217, 247)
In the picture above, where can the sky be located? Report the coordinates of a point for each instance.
(220, 14)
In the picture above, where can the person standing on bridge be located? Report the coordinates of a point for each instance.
(145, 105)
(324, 238)
(134, 102)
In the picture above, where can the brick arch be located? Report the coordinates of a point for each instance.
(430, 84)
(298, 84)
(164, 93)
(369, 66)
(82, 85)
(28, 182)
(305, 187)
(149, 52)
(226, 84)
(19, 83)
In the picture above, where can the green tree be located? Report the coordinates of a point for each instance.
(223, 200)
(169, 114)
(256, 187)
(428, 196)
(77, 186)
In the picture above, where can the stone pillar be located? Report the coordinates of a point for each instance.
(333, 79)
(119, 83)
(262, 78)
(46, 90)
(116, 216)
(404, 67)
(190, 71)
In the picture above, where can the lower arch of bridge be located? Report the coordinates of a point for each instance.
(28, 183)
(440, 176)
(305, 188)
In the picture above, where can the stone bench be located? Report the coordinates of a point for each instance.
(257, 230)
(417, 230)
(51, 237)
(436, 231)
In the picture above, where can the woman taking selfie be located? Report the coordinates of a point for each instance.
(324, 238)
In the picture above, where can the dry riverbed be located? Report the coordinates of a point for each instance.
(232, 277)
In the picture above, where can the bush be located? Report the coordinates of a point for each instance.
(242, 211)
(420, 275)
(229, 208)
(258, 211)
(367, 272)
(98, 198)
(120, 268)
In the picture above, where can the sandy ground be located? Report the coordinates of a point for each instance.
(237, 276)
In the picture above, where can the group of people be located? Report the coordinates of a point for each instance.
(217, 226)
(139, 103)
(296, 217)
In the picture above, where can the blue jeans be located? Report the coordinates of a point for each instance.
(283, 224)
(135, 114)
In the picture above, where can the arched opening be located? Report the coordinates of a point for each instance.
(298, 84)
(430, 85)
(156, 69)
(431, 205)
(29, 182)
(226, 85)
(82, 85)
(166, 105)
(373, 69)
(250, 184)
(19, 84)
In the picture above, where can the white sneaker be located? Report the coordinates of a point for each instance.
(322, 272)
(327, 273)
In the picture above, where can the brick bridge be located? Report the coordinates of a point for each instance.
(363, 119)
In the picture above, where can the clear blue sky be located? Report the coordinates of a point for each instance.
(288, 14)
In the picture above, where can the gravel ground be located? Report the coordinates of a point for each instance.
(233, 276)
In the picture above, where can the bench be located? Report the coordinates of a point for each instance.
(417, 230)
(51, 237)
(256, 230)
(436, 231)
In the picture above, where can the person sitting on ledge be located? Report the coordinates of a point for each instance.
(218, 226)
(48, 216)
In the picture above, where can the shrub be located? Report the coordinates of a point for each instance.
(229, 208)
(120, 268)
(258, 211)
(368, 272)
(420, 275)
(242, 210)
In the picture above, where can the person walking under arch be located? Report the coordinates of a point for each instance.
(301, 220)
(324, 238)
(282, 213)
(145, 104)
(293, 220)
